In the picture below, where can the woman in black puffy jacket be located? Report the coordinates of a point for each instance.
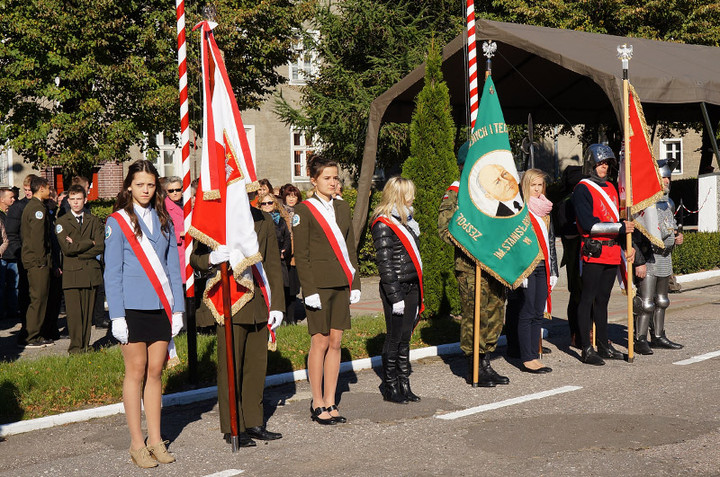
(395, 234)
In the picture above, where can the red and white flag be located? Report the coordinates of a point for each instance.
(222, 209)
(646, 184)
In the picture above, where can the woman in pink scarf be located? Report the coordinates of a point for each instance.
(173, 204)
(529, 303)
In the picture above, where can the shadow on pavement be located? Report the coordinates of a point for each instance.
(10, 411)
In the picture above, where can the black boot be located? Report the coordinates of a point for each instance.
(494, 376)
(607, 351)
(484, 379)
(403, 372)
(391, 390)
(590, 356)
(662, 342)
(642, 346)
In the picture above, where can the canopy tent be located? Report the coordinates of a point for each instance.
(560, 77)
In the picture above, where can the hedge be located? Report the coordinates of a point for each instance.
(699, 251)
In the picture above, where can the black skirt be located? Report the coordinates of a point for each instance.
(147, 326)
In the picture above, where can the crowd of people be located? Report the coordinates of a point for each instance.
(136, 262)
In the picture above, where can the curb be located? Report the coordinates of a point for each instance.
(204, 394)
(692, 277)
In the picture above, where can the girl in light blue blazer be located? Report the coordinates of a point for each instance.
(139, 317)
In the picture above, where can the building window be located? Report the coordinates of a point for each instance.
(169, 160)
(304, 64)
(672, 148)
(302, 149)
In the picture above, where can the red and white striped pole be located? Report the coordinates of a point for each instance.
(185, 142)
(472, 62)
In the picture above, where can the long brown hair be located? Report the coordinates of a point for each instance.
(125, 201)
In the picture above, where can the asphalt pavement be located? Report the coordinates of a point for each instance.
(655, 416)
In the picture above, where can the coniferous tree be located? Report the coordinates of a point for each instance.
(432, 167)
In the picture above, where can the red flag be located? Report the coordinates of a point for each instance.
(646, 184)
(222, 209)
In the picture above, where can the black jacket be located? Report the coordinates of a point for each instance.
(393, 261)
(12, 228)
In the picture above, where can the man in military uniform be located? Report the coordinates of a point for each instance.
(492, 296)
(81, 238)
(653, 271)
(36, 260)
(250, 335)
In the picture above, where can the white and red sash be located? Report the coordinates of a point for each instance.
(149, 261)
(610, 204)
(544, 240)
(334, 236)
(408, 242)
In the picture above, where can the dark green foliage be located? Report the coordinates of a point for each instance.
(699, 251)
(101, 208)
(432, 166)
(366, 46)
(82, 81)
(366, 249)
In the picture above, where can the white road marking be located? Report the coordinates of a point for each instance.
(697, 359)
(226, 473)
(507, 402)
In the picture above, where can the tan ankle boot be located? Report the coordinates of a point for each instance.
(142, 458)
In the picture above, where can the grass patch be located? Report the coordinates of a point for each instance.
(32, 388)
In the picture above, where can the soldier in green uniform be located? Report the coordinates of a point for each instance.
(35, 254)
(250, 335)
(81, 236)
(492, 296)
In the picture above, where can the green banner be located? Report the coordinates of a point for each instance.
(492, 223)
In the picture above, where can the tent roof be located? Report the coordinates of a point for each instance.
(572, 77)
(560, 77)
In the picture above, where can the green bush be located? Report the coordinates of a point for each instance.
(101, 208)
(366, 249)
(432, 166)
(699, 251)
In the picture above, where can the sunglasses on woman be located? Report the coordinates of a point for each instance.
(172, 191)
(266, 203)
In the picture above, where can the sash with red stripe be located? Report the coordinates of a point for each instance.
(408, 242)
(455, 187)
(146, 255)
(544, 241)
(334, 236)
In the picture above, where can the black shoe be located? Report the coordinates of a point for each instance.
(338, 419)
(494, 376)
(590, 356)
(243, 440)
(105, 323)
(543, 370)
(662, 342)
(608, 352)
(406, 391)
(484, 379)
(262, 434)
(546, 350)
(315, 416)
(391, 393)
(39, 343)
(642, 347)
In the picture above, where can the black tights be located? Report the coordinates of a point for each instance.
(399, 327)
(597, 280)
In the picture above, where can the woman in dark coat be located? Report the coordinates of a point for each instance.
(395, 234)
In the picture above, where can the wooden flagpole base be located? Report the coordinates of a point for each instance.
(227, 312)
(476, 328)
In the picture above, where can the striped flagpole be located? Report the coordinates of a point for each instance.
(472, 62)
(185, 141)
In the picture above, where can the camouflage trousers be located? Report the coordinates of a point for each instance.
(492, 303)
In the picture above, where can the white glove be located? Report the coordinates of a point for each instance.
(524, 283)
(275, 319)
(313, 301)
(354, 296)
(120, 329)
(219, 255)
(398, 308)
(553, 281)
(177, 323)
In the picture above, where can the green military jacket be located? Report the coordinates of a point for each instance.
(81, 267)
(448, 206)
(35, 232)
(317, 264)
(254, 311)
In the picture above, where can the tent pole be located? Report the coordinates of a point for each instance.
(710, 132)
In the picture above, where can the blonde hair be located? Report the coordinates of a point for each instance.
(397, 192)
(529, 176)
(277, 206)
